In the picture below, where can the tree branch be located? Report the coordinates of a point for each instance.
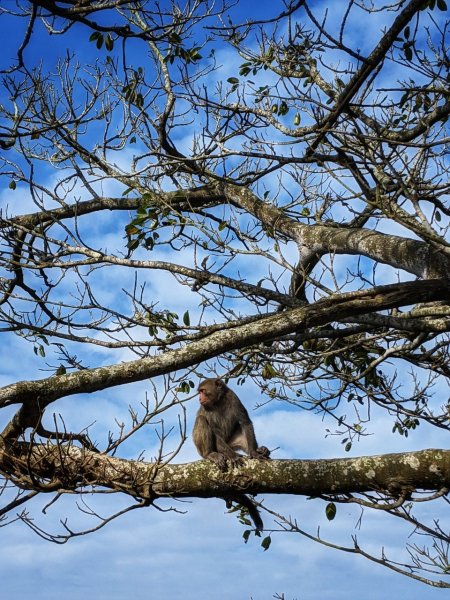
(266, 328)
(70, 467)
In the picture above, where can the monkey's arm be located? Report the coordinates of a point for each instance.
(225, 450)
(211, 445)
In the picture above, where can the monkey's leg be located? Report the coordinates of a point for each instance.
(245, 440)
(263, 452)
(250, 444)
(205, 441)
(226, 450)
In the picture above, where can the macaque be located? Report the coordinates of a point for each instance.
(223, 426)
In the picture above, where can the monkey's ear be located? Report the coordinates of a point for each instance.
(219, 383)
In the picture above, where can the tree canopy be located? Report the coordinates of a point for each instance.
(283, 179)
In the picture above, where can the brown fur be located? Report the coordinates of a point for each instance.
(222, 427)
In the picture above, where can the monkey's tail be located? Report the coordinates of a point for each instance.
(245, 501)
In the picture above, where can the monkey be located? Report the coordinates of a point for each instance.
(223, 426)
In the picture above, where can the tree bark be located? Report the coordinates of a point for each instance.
(266, 328)
(60, 466)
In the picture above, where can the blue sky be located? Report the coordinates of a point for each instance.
(199, 554)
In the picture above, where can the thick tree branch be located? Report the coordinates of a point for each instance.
(375, 58)
(413, 256)
(410, 255)
(70, 467)
(190, 199)
(266, 328)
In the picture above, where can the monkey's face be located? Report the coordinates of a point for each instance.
(210, 393)
(204, 397)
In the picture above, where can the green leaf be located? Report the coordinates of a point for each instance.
(408, 52)
(284, 109)
(131, 229)
(133, 244)
(437, 215)
(99, 43)
(236, 369)
(266, 543)
(184, 388)
(244, 71)
(12, 185)
(194, 54)
(94, 36)
(268, 371)
(61, 370)
(404, 98)
(222, 225)
(246, 535)
(330, 511)
(233, 80)
(442, 5)
(109, 43)
(186, 319)
(174, 38)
